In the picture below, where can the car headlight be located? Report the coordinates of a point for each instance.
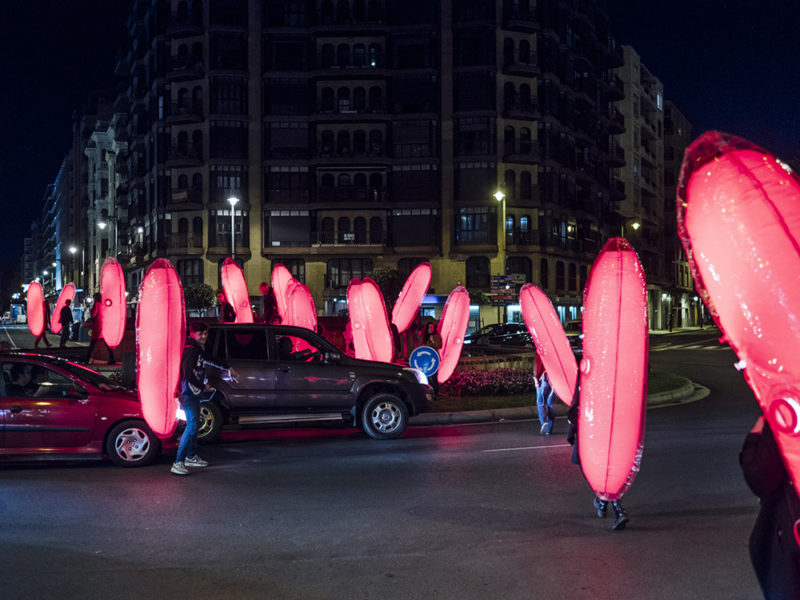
(420, 376)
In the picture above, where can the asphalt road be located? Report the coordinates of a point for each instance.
(471, 511)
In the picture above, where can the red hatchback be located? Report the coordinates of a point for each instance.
(53, 407)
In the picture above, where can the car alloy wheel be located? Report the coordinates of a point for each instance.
(385, 416)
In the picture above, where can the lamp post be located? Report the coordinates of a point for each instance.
(501, 243)
(72, 251)
(233, 201)
(102, 223)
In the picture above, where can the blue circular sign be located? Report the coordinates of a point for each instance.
(426, 359)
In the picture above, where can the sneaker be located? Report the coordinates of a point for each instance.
(195, 461)
(601, 506)
(179, 469)
(544, 429)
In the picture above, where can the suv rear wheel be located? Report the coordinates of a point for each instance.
(384, 416)
(211, 422)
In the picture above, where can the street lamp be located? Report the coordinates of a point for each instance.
(501, 243)
(233, 201)
(102, 223)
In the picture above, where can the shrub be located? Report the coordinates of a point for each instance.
(500, 382)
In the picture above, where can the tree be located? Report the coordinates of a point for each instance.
(198, 296)
(390, 283)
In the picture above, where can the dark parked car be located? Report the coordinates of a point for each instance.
(501, 334)
(52, 407)
(290, 374)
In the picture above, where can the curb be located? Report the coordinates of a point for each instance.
(688, 391)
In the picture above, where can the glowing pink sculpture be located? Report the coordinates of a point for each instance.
(452, 328)
(738, 213)
(112, 306)
(300, 308)
(613, 385)
(552, 345)
(67, 293)
(410, 298)
(372, 337)
(35, 308)
(280, 284)
(235, 288)
(160, 335)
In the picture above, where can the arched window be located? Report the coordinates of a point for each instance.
(197, 143)
(582, 282)
(343, 10)
(183, 182)
(572, 278)
(197, 99)
(510, 184)
(327, 180)
(359, 99)
(360, 181)
(525, 95)
(343, 142)
(183, 226)
(197, 181)
(343, 55)
(183, 142)
(360, 230)
(508, 51)
(326, 231)
(327, 56)
(183, 98)
(525, 188)
(359, 142)
(509, 95)
(508, 139)
(374, 55)
(477, 272)
(197, 226)
(327, 100)
(524, 140)
(524, 52)
(343, 98)
(560, 283)
(519, 264)
(343, 227)
(343, 181)
(326, 142)
(375, 186)
(375, 141)
(375, 230)
(509, 229)
(544, 274)
(359, 55)
(375, 98)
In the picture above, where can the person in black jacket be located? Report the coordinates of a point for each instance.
(774, 549)
(193, 384)
(65, 318)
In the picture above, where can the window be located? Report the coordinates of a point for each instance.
(360, 230)
(519, 265)
(544, 274)
(229, 96)
(245, 343)
(560, 283)
(343, 227)
(473, 226)
(572, 278)
(477, 272)
(375, 230)
(297, 267)
(326, 231)
(227, 181)
(342, 270)
(191, 271)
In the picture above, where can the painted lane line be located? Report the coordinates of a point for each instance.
(528, 448)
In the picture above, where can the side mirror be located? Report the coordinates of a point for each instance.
(333, 357)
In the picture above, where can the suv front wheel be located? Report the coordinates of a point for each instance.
(211, 422)
(384, 416)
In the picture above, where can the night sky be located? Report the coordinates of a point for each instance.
(730, 66)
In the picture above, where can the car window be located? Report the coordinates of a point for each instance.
(36, 381)
(246, 343)
(296, 349)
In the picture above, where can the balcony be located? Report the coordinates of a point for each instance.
(529, 69)
(186, 198)
(520, 20)
(518, 109)
(191, 112)
(185, 157)
(185, 68)
(616, 88)
(190, 243)
(616, 156)
(180, 27)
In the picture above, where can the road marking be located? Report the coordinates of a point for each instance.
(527, 448)
(5, 330)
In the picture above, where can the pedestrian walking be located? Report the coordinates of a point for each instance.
(226, 312)
(544, 400)
(96, 323)
(65, 318)
(43, 335)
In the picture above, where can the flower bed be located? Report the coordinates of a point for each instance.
(500, 382)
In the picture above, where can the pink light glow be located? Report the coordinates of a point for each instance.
(112, 306)
(235, 288)
(614, 371)
(280, 283)
(372, 337)
(452, 327)
(35, 308)
(738, 213)
(410, 298)
(300, 309)
(67, 293)
(160, 335)
(552, 345)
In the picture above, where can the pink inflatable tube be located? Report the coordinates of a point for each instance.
(67, 293)
(410, 298)
(235, 288)
(372, 337)
(113, 307)
(738, 213)
(160, 335)
(613, 371)
(35, 308)
(552, 345)
(280, 284)
(300, 308)
(452, 327)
